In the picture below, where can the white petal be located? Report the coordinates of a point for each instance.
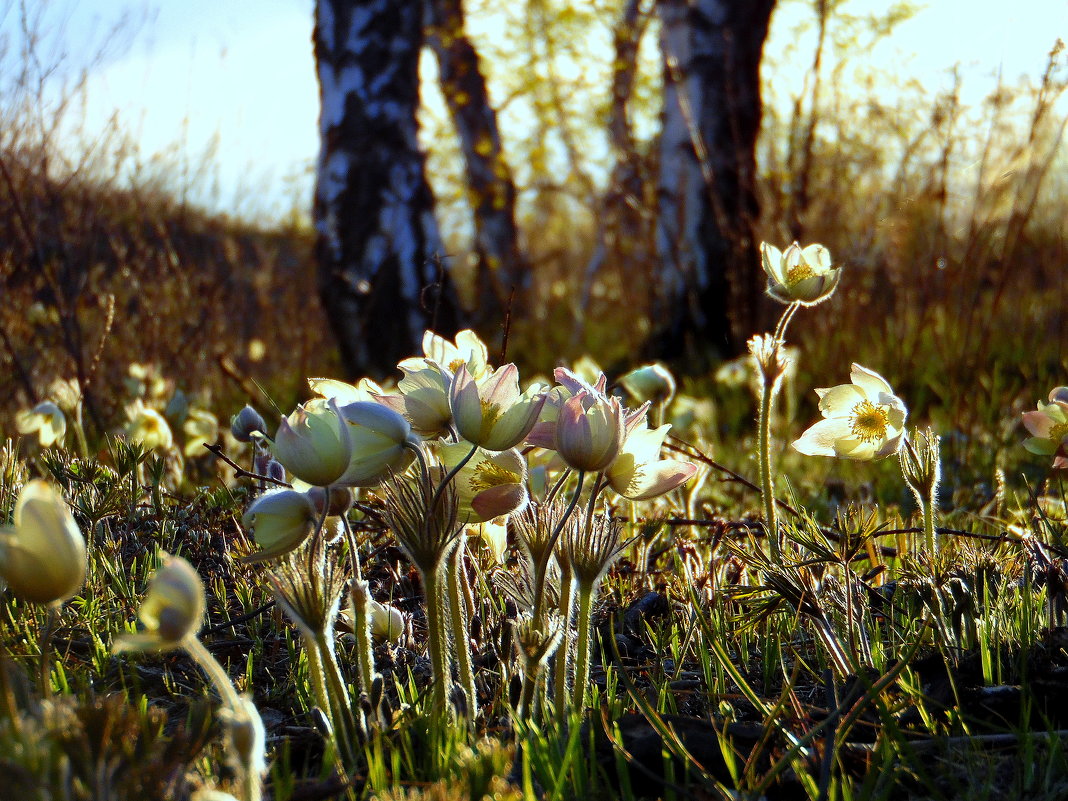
(819, 439)
(870, 381)
(839, 401)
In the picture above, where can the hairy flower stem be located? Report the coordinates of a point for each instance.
(338, 693)
(767, 489)
(250, 779)
(458, 620)
(564, 664)
(344, 752)
(542, 568)
(769, 387)
(583, 645)
(361, 629)
(437, 641)
(45, 642)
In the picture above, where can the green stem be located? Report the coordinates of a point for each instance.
(927, 504)
(542, 568)
(46, 650)
(218, 676)
(439, 659)
(784, 321)
(767, 490)
(361, 625)
(343, 750)
(458, 615)
(563, 653)
(582, 646)
(338, 693)
(440, 490)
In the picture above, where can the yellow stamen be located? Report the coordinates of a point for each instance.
(456, 364)
(488, 474)
(868, 421)
(1058, 432)
(799, 272)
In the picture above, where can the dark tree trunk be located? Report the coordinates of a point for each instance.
(711, 278)
(501, 267)
(381, 278)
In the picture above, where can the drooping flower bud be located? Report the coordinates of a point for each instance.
(652, 382)
(313, 443)
(381, 443)
(247, 423)
(42, 557)
(280, 521)
(172, 611)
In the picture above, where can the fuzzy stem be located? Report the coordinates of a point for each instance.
(45, 643)
(927, 504)
(343, 750)
(582, 646)
(361, 626)
(216, 673)
(337, 690)
(767, 490)
(564, 662)
(436, 640)
(458, 616)
(542, 567)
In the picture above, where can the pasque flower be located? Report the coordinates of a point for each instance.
(46, 420)
(173, 609)
(313, 443)
(638, 472)
(1048, 427)
(652, 382)
(422, 397)
(280, 521)
(863, 420)
(42, 557)
(589, 435)
(492, 413)
(488, 484)
(799, 275)
(467, 350)
(148, 427)
(381, 442)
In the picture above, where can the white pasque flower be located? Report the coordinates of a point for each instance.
(804, 275)
(863, 420)
(1048, 427)
(148, 427)
(46, 420)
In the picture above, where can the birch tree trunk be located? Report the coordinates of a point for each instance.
(711, 284)
(501, 268)
(381, 277)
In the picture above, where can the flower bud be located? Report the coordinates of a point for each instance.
(589, 439)
(387, 622)
(313, 443)
(381, 443)
(173, 608)
(42, 557)
(333, 502)
(246, 423)
(653, 382)
(281, 520)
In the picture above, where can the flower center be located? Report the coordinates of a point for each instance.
(799, 272)
(868, 421)
(456, 364)
(1058, 432)
(487, 474)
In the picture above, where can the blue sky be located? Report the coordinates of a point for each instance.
(242, 71)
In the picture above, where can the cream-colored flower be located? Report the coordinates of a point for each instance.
(1049, 428)
(313, 443)
(651, 382)
(387, 622)
(489, 484)
(466, 351)
(363, 390)
(799, 275)
(382, 442)
(495, 534)
(46, 420)
(148, 427)
(201, 428)
(173, 609)
(639, 473)
(42, 556)
(493, 413)
(280, 521)
(863, 420)
(589, 435)
(422, 396)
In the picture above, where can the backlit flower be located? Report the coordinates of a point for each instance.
(46, 420)
(280, 521)
(387, 622)
(802, 275)
(652, 382)
(363, 390)
(863, 420)
(466, 351)
(201, 428)
(495, 534)
(172, 611)
(638, 472)
(148, 427)
(493, 413)
(42, 556)
(489, 484)
(381, 442)
(313, 443)
(1049, 428)
(589, 436)
(422, 396)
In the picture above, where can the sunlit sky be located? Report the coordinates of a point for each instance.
(242, 70)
